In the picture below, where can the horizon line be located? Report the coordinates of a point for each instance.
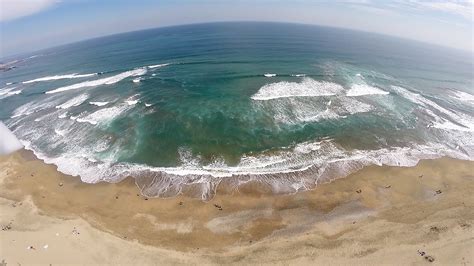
(27, 53)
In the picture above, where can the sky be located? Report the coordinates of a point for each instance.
(29, 25)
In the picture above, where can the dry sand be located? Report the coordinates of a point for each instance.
(379, 215)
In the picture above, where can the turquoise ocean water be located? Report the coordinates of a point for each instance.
(183, 109)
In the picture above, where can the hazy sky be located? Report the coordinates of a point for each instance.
(28, 25)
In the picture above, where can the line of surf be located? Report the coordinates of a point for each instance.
(364, 89)
(158, 66)
(103, 81)
(76, 101)
(57, 77)
(307, 88)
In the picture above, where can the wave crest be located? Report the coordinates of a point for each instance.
(57, 77)
(364, 89)
(307, 88)
(103, 81)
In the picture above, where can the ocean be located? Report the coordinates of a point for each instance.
(183, 109)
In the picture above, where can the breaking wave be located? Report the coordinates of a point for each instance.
(57, 77)
(301, 168)
(103, 81)
(307, 88)
(4, 93)
(99, 103)
(463, 96)
(76, 101)
(442, 117)
(364, 89)
(304, 110)
(158, 66)
(101, 116)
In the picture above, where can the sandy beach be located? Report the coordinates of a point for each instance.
(379, 215)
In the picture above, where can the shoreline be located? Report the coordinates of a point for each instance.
(378, 214)
(277, 183)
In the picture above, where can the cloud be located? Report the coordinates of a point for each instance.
(13, 9)
(462, 8)
(456, 8)
(459, 8)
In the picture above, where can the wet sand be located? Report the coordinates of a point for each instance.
(379, 215)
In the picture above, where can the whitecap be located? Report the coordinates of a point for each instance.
(59, 132)
(4, 93)
(131, 102)
(269, 75)
(99, 103)
(57, 77)
(103, 81)
(364, 89)
(298, 110)
(159, 65)
(76, 101)
(459, 121)
(102, 115)
(147, 104)
(33, 107)
(307, 88)
(85, 120)
(463, 96)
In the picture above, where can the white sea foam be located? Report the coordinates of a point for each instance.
(103, 115)
(9, 83)
(35, 106)
(76, 101)
(131, 102)
(270, 75)
(147, 104)
(159, 65)
(136, 80)
(99, 103)
(292, 169)
(463, 96)
(85, 120)
(298, 75)
(445, 119)
(301, 110)
(59, 132)
(4, 93)
(307, 88)
(34, 56)
(103, 81)
(364, 89)
(57, 77)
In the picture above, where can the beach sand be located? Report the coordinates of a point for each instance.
(379, 215)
